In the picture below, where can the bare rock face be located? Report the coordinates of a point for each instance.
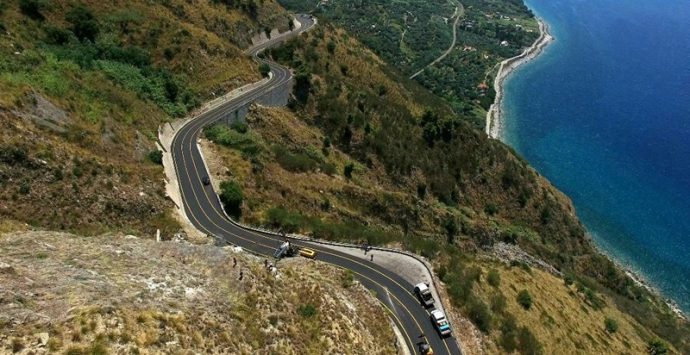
(508, 253)
(44, 113)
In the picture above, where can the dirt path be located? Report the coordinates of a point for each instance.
(459, 13)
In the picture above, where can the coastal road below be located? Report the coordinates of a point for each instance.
(204, 211)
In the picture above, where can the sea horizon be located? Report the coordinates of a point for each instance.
(604, 114)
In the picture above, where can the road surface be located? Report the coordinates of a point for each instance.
(459, 13)
(205, 212)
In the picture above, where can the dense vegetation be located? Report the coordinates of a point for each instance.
(411, 34)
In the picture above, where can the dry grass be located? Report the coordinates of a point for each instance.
(559, 317)
(115, 294)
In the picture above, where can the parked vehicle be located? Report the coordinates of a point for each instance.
(307, 253)
(423, 292)
(440, 322)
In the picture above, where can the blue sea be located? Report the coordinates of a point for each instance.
(604, 114)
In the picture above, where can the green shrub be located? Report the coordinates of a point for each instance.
(331, 47)
(240, 127)
(347, 171)
(307, 310)
(231, 196)
(421, 191)
(348, 279)
(159, 86)
(13, 155)
(24, 188)
(491, 209)
(328, 169)
(479, 313)
(611, 325)
(84, 24)
(295, 162)
(280, 218)
(657, 347)
(427, 248)
(593, 299)
(508, 339)
(156, 157)
(524, 299)
(32, 8)
(528, 343)
(494, 278)
(264, 69)
(451, 227)
(56, 35)
(234, 138)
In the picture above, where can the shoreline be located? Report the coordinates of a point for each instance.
(640, 280)
(494, 129)
(494, 117)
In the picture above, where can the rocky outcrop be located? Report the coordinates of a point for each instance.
(119, 294)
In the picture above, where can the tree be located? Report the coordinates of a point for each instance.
(508, 334)
(480, 315)
(264, 69)
(528, 343)
(56, 35)
(657, 347)
(84, 23)
(524, 299)
(330, 47)
(451, 227)
(302, 85)
(32, 9)
(349, 168)
(156, 156)
(611, 325)
(231, 196)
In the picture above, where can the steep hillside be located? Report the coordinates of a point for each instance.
(74, 295)
(410, 34)
(363, 154)
(83, 89)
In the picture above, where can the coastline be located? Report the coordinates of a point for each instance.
(494, 117)
(641, 281)
(495, 121)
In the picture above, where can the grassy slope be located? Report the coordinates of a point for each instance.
(308, 192)
(559, 317)
(87, 169)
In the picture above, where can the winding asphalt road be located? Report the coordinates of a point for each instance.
(204, 210)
